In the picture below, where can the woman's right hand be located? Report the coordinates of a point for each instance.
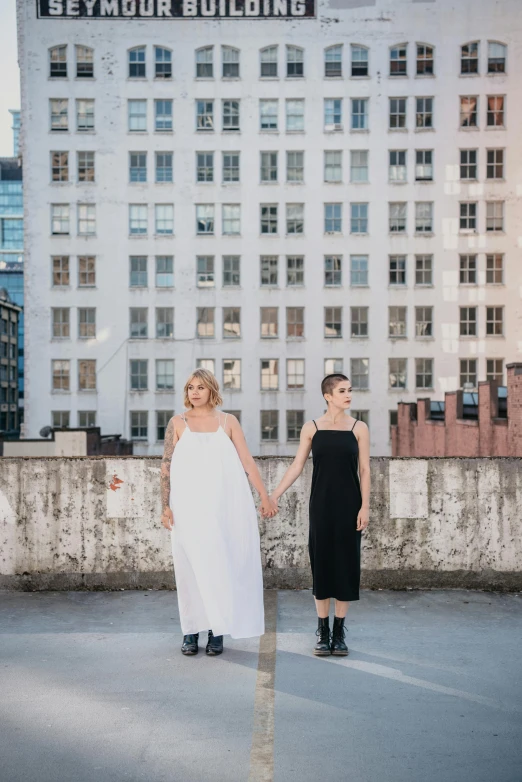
(167, 518)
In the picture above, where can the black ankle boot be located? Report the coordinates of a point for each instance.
(322, 646)
(190, 643)
(338, 645)
(215, 644)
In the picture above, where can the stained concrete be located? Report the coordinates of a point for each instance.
(94, 688)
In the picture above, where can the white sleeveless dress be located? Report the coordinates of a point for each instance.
(215, 538)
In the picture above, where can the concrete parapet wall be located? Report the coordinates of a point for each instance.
(94, 523)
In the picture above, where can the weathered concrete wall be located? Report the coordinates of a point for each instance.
(95, 523)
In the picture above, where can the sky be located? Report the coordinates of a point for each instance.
(10, 87)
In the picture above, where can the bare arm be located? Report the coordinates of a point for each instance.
(364, 462)
(296, 468)
(246, 458)
(171, 438)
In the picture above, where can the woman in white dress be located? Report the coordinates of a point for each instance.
(208, 506)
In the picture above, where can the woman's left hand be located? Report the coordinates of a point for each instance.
(363, 518)
(267, 509)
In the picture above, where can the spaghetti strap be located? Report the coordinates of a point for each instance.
(315, 425)
(185, 421)
(225, 424)
(353, 427)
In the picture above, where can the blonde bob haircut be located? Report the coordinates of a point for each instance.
(210, 382)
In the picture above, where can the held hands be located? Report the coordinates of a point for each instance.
(363, 518)
(268, 508)
(167, 518)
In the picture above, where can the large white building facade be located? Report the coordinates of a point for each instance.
(275, 190)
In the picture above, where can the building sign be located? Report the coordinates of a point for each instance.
(175, 9)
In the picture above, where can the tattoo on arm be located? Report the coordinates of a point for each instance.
(168, 450)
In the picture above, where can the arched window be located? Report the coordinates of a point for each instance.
(469, 54)
(204, 63)
(137, 68)
(359, 55)
(294, 62)
(162, 63)
(424, 59)
(230, 62)
(58, 62)
(269, 62)
(333, 61)
(84, 62)
(398, 60)
(497, 54)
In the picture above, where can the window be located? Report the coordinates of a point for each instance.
(205, 322)
(84, 62)
(360, 373)
(423, 165)
(164, 271)
(359, 60)
(61, 418)
(139, 424)
(205, 271)
(294, 62)
(397, 167)
(424, 217)
(397, 113)
(468, 372)
(206, 363)
(163, 166)
(268, 113)
(468, 164)
(231, 219)
(86, 418)
(333, 271)
(86, 322)
(138, 323)
(294, 424)
(59, 114)
(397, 217)
(424, 113)
(230, 58)
(423, 321)
(468, 111)
(230, 167)
(294, 270)
(468, 321)
(138, 219)
(138, 271)
(495, 369)
(495, 164)
(204, 115)
(423, 373)
(85, 162)
(204, 166)
(468, 269)
(163, 219)
(333, 322)
(494, 268)
(137, 114)
(268, 218)
(58, 62)
(231, 322)
(162, 63)
(230, 115)
(494, 216)
(84, 115)
(268, 166)
(469, 58)
(358, 270)
(359, 116)
(495, 113)
(61, 370)
(333, 166)
(468, 216)
(269, 62)
(294, 322)
(496, 57)
(397, 372)
(231, 271)
(424, 60)
(358, 218)
(138, 375)
(359, 321)
(295, 166)
(270, 425)
(294, 115)
(205, 63)
(295, 368)
(60, 270)
(137, 68)
(137, 166)
(398, 61)
(59, 219)
(59, 166)
(11, 235)
(268, 269)
(333, 366)
(86, 271)
(333, 61)
(269, 374)
(295, 218)
(333, 219)
(61, 325)
(269, 322)
(232, 374)
(164, 322)
(359, 165)
(162, 419)
(86, 220)
(333, 114)
(397, 269)
(163, 116)
(204, 219)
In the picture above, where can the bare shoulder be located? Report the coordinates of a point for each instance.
(360, 428)
(308, 429)
(232, 421)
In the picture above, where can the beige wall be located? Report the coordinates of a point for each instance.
(64, 444)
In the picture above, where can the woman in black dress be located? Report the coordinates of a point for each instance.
(339, 507)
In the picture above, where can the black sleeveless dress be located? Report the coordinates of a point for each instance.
(334, 544)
